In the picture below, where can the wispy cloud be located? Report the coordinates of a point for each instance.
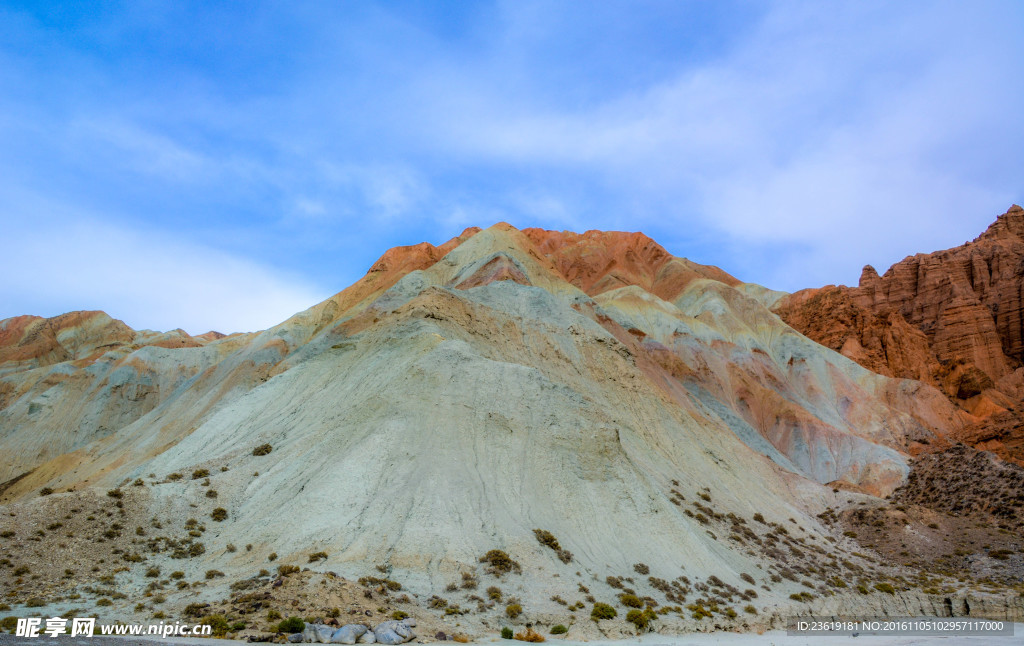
(788, 142)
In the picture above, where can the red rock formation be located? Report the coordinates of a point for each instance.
(599, 261)
(952, 318)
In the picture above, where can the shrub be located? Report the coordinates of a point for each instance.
(153, 572)
(272, 556)
(217, 623)
(759, 518)
(10, 623)
(640, 568)
(273, 614)
(602, 611)
(631, 600)
(559, 630)
(45, 491)
(214, 574)
(750, 610)
(499, 562)
(201, 473)
(317, 556)
(399, 615)
(219, 514)
(546, 538)
(262, 449)
(100, 602)
(115, 493)
(494, 593)
(173, 477)
(529, 636)
(565, 556)
(231, 548)
(885, 587)
(513, 610)
(641, 618)
(506, 632)
(291, 625)
(211, 493)
(285, 570)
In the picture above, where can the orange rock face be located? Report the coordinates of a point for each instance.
(599, 261)
(951, 318)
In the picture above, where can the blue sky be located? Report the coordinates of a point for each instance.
(224, 165)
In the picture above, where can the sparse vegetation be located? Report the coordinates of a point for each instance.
(641, 568)
(885, 587)
(499, 563)
(529, 636)
(506, 633)
(602, 611)
(559, 629)
(200, 473)
(317, 556)
(513, 610)
(641, 618)
(291, 625)
(262, 449)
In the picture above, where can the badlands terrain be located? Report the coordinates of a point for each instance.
(528, 428)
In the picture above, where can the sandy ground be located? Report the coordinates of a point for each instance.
(774, 638)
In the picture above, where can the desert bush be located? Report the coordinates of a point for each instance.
(153, 572)
(219, 514)
(211, 493)
(749, 609)
(500, 562)
(641, 618)
(200, 473)
(262, 449)
(506, 632)
(291, 625)
(45, 491)
(494, 593)
(801, 596)
(272, 556)
(399, 615)
(559, 629)
(10, 623)
(529, 636)
(603, 611)
(231, 548)
(115, 493)
(546, 538)
(513, 610)
(214, 574)
(631, 601)
(218, 624)
(885, 587)
(759, 518)
(285, 570)
(317, 556)
(640, 568)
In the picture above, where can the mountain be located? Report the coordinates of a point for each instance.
(574, 418)
(952, 319)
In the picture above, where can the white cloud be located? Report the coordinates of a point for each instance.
(853, 132)
(152, 279)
